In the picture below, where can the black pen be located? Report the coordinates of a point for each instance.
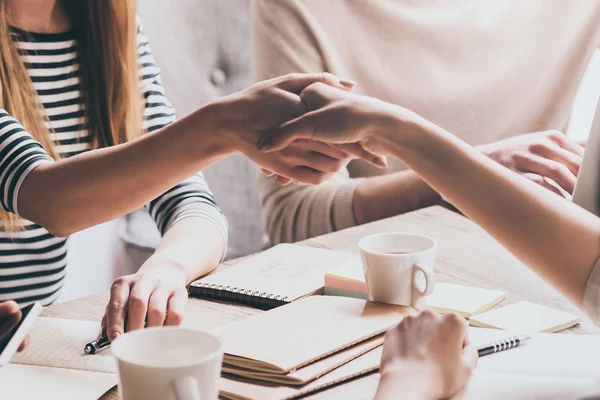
(95, 345)
(502, 344)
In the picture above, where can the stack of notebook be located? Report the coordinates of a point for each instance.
(305, 346)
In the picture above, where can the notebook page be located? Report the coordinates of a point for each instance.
(57, 342)
(33, 382)
(545, 355)
(491, 386)
(286, 270)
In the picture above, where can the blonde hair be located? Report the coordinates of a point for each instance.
(106, 35)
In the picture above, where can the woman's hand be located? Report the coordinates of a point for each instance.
(10, 315)
(427, 356)
(244, 117)
(335, 117)
(538, 156)
(155, 296)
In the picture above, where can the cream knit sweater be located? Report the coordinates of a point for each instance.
(484, 70)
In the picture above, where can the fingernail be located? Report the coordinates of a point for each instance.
(380, 162)
(114, 336)
(264, 143)
(348, 83)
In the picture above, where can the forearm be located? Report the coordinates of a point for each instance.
(385, 196)
(191, 248)
(101, 185)
(534, 224)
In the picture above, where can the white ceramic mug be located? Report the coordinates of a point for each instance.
(399, 267)
(168, 363)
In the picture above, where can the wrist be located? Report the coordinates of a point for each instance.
(215, 131)
(419, 380)
(159, 265)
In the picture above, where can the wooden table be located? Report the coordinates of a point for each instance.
(466, 255)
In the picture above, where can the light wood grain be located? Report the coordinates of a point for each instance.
(466, 255)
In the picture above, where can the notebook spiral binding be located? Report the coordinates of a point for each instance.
(252, 298)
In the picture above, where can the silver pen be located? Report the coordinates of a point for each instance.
(95, 345)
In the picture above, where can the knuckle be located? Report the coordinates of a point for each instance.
(119, 282)
(156, 313)
(327, 78)
(292, 76)
(406, 321)
(137, 301)
(454, 319)
(555, 135)
(428, 313)
(537, 147)
(557, 169)
(176, 317)
(115, 306)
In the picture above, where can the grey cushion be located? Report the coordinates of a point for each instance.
(203, 49)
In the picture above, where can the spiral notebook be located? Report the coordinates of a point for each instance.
(275, 277)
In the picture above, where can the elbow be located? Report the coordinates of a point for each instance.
(58, 228)
(60, 231)
(53, 221)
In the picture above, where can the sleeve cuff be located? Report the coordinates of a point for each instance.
(591, 299)
(24, 174)
(342, 213)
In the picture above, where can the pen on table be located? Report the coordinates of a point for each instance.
(95, 345)
(502, 344)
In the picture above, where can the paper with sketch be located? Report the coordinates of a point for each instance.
(57, 342)
(33, 382)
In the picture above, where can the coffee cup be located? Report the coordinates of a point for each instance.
(398, 267)
(168, 363)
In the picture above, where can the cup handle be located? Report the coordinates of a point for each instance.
(429, 280)
(186, 388)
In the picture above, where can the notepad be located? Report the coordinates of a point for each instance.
(288, 338)
(275, 277)
(55, 361)
(311, 372)
(526, 317)
(234, 388)
(349, 281)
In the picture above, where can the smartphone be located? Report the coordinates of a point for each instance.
(13, 330)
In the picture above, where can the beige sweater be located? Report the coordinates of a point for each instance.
(485, 70)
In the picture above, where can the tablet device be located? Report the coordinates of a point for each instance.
(13, 330)
(587, 189)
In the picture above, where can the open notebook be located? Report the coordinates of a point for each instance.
(275, 277)
(296, 335)
(549, 366)
(56, 363)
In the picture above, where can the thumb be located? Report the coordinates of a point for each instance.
(296, 83)
(302, 127)
(470, 357)
(8, 308)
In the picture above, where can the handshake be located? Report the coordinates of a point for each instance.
(291, 127)
(306, 127)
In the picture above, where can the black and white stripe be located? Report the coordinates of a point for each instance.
(32, 261)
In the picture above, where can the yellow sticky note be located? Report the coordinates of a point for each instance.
(463, 300)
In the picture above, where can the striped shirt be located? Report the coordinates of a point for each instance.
(33, 261)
